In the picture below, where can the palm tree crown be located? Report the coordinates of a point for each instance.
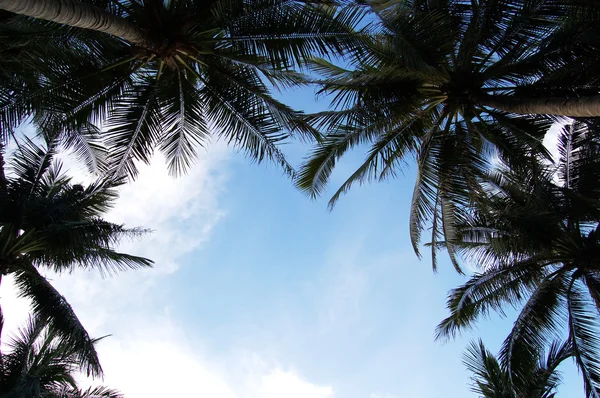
(41, 364)
(48, 222)
(426, 90)
(535, 237)
(202, 67)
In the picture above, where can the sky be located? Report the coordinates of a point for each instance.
(259, 292)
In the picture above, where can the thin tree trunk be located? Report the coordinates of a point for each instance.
(3, 186)
(80, 15)
(3, 181)
(1, 326)
(573, 107)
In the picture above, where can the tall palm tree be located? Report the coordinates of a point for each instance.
(165, 74)
(535, 237)
(41, 364)
(47, 222)
(491, 380)
(452, 83)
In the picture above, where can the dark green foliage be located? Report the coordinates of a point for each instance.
(208, 71)
(535, 237)
(420, 93)
(41, 363)
(47, 222)
(491, 380)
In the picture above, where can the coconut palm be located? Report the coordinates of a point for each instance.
(166, 74)
(41, 364)
(49, 223)
(491, 380)
(452, 83)
(535, 239)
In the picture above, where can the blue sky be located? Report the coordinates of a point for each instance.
(260, 292)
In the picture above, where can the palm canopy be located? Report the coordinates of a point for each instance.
(535, 237)
(48, 222)
(40, 363)
(491, 380)
(205, 66)
(424, 87)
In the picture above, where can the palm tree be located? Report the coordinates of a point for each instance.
(535, 237)
(47, 222)
(491, 380)
(41, 364)
(452, 83)
(165, 74)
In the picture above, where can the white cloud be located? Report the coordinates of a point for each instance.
(14, 311)
(154, 359)
(279, 384)
(551, 139)
(255, 377)
(181, 214)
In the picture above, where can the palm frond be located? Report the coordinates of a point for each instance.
(546, 379)
(492, 380)
(535, 327)
(134, 128)
(584, 330)
(32, 164)
(186, 127)
(51, 307)
(491, 290)
(384, 153)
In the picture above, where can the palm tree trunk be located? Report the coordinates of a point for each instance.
(80, 15)
(573, 107)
